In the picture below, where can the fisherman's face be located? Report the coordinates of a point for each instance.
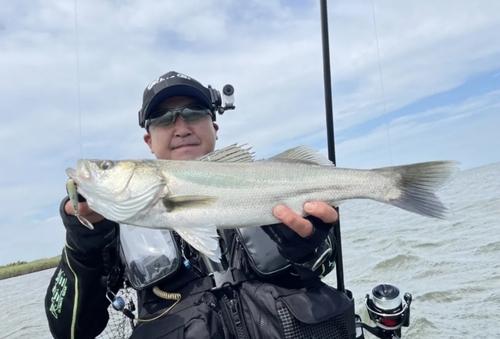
(182, 140)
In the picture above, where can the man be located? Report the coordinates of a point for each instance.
(275, 267)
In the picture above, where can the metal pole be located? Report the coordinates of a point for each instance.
(330, 131)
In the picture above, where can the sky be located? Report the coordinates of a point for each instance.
(411, 81)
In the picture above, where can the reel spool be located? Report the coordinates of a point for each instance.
(387, 308)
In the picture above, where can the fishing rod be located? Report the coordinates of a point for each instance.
(330, 131)
(386, 305)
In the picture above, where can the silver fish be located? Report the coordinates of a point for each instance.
(230, 189)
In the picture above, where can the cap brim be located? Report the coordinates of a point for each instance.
(178, 90)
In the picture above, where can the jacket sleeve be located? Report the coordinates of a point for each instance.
(75, 301)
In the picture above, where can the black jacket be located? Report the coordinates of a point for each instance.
(76, 304)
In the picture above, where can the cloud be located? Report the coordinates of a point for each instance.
(270, 52)
(465, 132)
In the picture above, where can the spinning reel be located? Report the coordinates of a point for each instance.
(388, 309)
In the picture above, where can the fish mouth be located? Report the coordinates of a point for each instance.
(81, 173)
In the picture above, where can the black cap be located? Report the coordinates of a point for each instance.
(173, 84)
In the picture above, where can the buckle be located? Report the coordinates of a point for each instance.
(231, 277)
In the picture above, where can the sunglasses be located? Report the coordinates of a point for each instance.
(166, 117)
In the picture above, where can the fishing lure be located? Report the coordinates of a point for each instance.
(73, 197)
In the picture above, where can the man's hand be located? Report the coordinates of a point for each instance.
(298, 237)
(84, 211)
(300, 225)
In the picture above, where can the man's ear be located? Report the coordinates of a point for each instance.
(147, 140)
(216, 128)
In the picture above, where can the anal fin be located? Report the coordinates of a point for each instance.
(204, 239)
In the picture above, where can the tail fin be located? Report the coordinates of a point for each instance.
(416, 184)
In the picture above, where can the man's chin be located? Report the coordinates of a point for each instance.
(187, 152)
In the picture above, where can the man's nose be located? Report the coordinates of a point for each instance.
(181, 128)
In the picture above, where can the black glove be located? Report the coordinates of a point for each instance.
(295, 248)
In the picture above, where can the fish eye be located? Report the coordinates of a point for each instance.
(106, 165)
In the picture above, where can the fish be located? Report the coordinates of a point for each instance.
(229, 188)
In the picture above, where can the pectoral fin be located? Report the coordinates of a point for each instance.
(187, 201)
(204, 239)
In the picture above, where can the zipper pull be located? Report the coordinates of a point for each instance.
(234, 312)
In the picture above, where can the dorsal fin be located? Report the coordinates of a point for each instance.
(303, 154)
(231, 153)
